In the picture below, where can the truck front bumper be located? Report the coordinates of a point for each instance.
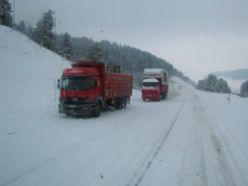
(152, 95)
(74, 110)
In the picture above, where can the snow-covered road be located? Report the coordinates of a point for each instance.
(173, 142)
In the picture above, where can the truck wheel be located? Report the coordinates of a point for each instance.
(163, 96)
(67, 114)
(119, 103)
(98, 109)
(124, 102)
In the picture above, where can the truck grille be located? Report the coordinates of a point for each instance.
(73, 100)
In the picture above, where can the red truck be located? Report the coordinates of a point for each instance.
(154, 84)
(87, 88)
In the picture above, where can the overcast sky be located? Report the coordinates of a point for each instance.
(194, 35)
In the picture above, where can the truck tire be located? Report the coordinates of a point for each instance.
(119, 103)
(98, 109)
(163, 96)
(124, 102)
(67, 114)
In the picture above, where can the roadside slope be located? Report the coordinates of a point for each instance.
(28, 72)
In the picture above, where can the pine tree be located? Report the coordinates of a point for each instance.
(96, 52)
(30, 32)
(21, 27)
(5, 13)
(66, 49)
(43, 32)
(213, 84)
(244, 89)
(222, 86)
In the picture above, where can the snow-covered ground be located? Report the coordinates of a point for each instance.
(191, 138)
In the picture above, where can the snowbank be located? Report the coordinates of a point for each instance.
(28, 73)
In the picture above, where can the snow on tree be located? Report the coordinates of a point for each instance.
(66, 48)
(43, 33)
(21, 27)
(213, 84)
(5, 13)
(96, 52)
(244, 89)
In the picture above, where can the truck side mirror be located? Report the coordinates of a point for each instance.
(58, 83)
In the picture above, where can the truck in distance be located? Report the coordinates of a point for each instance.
(154, 84)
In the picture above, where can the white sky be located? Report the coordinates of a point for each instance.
(195, 35)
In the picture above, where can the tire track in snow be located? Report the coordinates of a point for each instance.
(70, 149)
(193, 171)
(79, 144)
(219, 151)
(145, 166)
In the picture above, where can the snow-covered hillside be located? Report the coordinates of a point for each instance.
(191, 138)
(28, 73)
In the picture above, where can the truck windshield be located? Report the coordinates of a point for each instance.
(78, 83)
(150, 84)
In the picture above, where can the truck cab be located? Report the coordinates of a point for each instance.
(154, 84)
(150, 89)
(88, 87)
(80, 91)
